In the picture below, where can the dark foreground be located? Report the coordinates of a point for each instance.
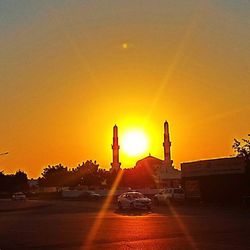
(81, 225)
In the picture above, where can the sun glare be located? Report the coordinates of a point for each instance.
(134, 142)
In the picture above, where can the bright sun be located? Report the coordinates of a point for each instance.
(134, 142)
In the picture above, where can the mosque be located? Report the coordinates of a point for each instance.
(165, 175)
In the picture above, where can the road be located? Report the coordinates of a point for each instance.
(84, 225)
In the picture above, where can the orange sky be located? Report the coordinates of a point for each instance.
(70, 70)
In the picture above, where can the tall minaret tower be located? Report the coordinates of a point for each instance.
(115, 165)
(167, 144)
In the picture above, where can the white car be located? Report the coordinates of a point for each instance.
(19, 196)
(134, 200)
(169, 194)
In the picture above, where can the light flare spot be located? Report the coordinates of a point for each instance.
(125, 45)
(134, 142)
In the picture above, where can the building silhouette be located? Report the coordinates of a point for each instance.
(167, 145)
(216, 180)
(115, 165)
(165, 175)
(163, 171)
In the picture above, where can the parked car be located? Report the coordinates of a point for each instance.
(19, 196)
(168, 195)
(90, 195)
(134, 200)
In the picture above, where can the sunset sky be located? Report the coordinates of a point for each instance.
(70, 70)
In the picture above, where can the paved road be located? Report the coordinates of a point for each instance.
(7, 205)
(79, 225)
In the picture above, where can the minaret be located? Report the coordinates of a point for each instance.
(115, 165)
(167, 144)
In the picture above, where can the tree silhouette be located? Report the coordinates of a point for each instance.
(86, 173)
(21, 181)
(13, 182)
(242, 148)
(54, 176)
(138, 177)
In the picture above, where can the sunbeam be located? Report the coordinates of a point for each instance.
(98, 221)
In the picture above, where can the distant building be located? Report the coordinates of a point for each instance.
(165, 175)
(163, 172)
(222, 179)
